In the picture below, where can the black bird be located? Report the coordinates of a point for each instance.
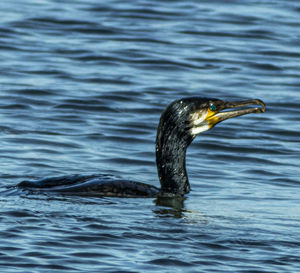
(179, 124)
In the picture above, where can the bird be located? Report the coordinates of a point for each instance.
(181, 121)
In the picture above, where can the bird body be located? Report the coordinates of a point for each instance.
(91, 185)
(179, 124)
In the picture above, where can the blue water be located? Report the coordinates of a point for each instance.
(83, 84)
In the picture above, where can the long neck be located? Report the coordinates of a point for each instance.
(171, 144)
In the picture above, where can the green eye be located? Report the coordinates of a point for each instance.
(212, 107)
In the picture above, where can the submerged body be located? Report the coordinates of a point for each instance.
(91, 185)
(179, 124)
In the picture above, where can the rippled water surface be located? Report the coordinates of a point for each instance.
(83, 84)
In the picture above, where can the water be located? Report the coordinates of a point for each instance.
(83, 84)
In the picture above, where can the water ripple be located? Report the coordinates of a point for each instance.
(82, 88)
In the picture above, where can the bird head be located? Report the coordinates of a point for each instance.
(205, 113)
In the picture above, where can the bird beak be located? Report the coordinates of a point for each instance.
(214, 117)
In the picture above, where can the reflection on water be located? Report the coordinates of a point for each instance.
(170, 206)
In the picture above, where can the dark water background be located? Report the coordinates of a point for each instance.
(83, 84)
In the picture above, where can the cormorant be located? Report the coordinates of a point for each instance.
(179, 124)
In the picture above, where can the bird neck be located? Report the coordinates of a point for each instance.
(171, 146)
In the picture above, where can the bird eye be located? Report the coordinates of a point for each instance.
(212, 107)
